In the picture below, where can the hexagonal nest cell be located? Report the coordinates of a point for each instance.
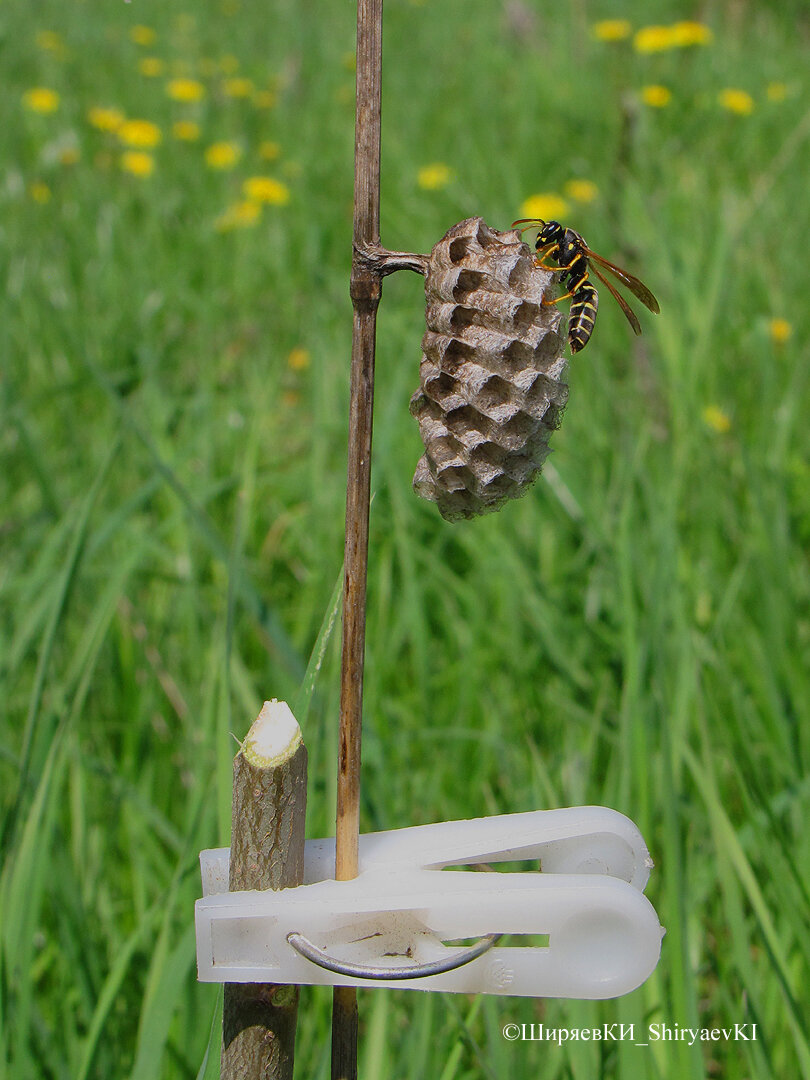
(491, 390)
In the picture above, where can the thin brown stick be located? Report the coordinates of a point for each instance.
(366, 287)
(354, 595)
(370, 264)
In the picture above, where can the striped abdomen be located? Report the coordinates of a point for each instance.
(582, 316)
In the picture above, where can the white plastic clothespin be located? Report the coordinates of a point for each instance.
(389, 925)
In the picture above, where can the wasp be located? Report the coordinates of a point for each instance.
(576, 261)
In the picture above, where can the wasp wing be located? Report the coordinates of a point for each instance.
(620, 300)
(636, 287)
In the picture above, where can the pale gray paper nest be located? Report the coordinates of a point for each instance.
(491, 390)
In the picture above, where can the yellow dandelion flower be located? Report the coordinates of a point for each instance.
(435, 176)
(68, 155)
(39, 192)
(140, 134)
(546, 206)
(186, 130)
(264, 99)
(49, 41)
(583, 191)
(269, 151)
(228, 64)
(264, 189)
(290, 398)
(776, 91)
(780, 330)
(239, 216)
(717, 419)
(611, 30)
(41, 99)
(650, 39)
(299, 359)
(151, 66)
(185, 90)
(691, 33)
(222, 155)
(656, 96)
(142, 35)
(138, 162)
(238, 88)
(105, 119)
(736, 101)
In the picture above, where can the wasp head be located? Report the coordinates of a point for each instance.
(552, 232)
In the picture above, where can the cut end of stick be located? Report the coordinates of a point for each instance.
(274, 736)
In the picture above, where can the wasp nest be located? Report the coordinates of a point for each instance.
(491, 389)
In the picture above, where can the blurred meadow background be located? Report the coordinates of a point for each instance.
(175, 228)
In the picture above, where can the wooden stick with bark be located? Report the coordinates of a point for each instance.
(267, 852)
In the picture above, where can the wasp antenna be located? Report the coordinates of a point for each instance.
(528, 223)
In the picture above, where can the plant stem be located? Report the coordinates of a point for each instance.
(365, 288)
(370, 263)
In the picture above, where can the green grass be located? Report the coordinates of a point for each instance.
(633, 632)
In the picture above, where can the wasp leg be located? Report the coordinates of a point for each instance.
(565, 296)
(542, 254)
